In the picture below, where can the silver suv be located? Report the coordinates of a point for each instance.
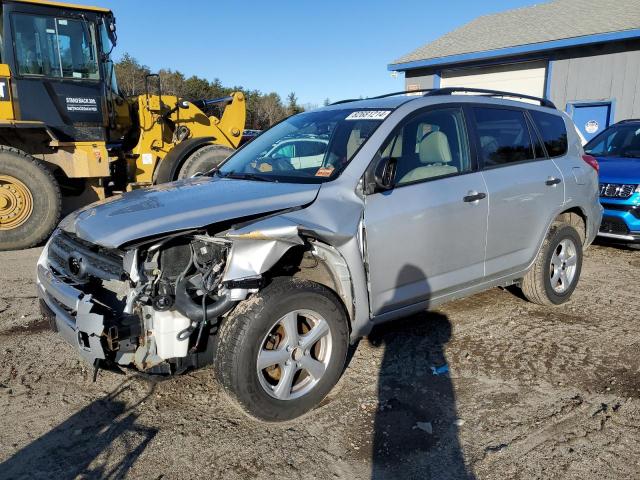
(268, 268)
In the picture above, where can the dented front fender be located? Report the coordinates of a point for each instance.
(258, 247)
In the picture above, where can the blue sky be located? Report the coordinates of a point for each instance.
(331, 49)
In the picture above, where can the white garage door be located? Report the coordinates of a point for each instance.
(526, 78)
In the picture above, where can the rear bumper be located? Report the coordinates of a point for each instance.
(69, 313)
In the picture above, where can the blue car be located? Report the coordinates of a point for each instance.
(617, 150)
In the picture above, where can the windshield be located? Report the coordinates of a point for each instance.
(619, 141)
(55, 47)
(310, 147)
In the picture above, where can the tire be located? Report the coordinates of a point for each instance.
(254, 324)
(551, 281)
(30, 200)
(203, 160)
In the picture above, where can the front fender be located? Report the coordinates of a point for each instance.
(258, 247)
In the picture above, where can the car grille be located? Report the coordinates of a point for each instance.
(616, 190)
(79, 260)
(614, 225)
(621, 207)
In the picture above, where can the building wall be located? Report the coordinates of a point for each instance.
(417, 79)
(606, 72)
(609, 72)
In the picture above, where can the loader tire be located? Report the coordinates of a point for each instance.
(204, 160)
(30, 200)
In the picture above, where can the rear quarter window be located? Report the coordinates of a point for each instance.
(553, 131)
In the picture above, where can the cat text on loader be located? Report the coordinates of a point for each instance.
(67, 135)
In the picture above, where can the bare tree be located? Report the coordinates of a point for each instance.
(131, 74)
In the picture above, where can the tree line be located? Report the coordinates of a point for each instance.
(263, 109)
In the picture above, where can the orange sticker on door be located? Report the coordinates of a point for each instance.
(324, 172)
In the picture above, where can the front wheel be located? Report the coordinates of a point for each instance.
(556, 271)
(281, 352)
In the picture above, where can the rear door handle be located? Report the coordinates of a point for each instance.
(474, 197)
(551, 181)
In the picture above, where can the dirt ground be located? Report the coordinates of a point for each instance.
(531, 392)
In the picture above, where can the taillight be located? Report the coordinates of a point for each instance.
(591, 161)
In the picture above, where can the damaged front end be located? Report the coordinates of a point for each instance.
(153, 307)
(156, 306)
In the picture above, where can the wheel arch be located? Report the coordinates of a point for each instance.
(320, 263)
(32, 138)
(577, 218)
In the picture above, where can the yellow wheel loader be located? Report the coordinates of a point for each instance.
(68, 136)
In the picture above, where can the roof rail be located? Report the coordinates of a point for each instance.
(489, 93)
(405, 92)
(393, 94)
(629, 120)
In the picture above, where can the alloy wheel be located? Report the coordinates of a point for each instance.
(294, 355)
(562, 270)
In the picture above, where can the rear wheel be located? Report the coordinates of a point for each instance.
(280, 352)
(204, 160)
(30, 200)
(556, 271)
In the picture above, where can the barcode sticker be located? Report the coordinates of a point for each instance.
(368, 115)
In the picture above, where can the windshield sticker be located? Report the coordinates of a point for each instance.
(369, 115)
(324, 172)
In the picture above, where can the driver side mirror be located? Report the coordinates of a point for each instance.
(382, 177)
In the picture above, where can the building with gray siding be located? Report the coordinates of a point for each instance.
(584, 55)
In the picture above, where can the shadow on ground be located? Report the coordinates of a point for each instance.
(416, 424)
(86, 443)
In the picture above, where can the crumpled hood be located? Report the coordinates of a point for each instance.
(181, 205)
(619, 170)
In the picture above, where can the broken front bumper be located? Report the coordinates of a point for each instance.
(69, 311)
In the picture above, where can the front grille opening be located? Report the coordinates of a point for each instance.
(614, 225)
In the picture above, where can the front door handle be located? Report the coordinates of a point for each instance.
(551, 181)
(472, 197)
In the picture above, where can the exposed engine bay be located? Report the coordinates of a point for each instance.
(153, 307)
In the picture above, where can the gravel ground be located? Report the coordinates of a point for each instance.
(532, 392)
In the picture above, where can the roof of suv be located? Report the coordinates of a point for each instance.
(394, 100)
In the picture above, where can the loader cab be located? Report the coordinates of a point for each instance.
(62, 73)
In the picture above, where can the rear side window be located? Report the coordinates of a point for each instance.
(503, 136)
(553, 131)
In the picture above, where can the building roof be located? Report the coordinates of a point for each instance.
(544, 26)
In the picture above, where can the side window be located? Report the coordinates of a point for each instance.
(553, 131)
(503, 136)
(310, 154)
(430, 145)
(284, 151)
(310, 149)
